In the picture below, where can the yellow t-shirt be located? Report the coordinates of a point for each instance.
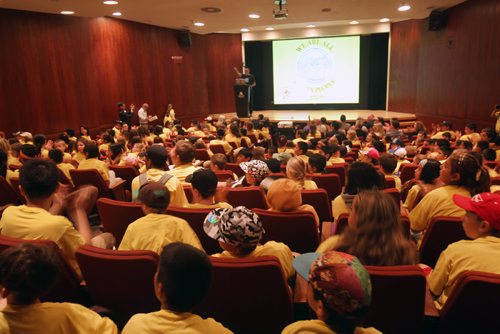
(440, 134)
(11, 174)
(94, 163)
(397, 181)
(320, 327)
(13, 161)
(278, 249)
(329, 244)
(154, 231)
(65, 168)
(79, 156)
(232, 138)
(103, 147)
(32, 223)
(182, 171)
(174, 186)
(310, 185)
(209, 206)
(198, 134)
(480, 254)
(335, 160)
(54, 318)
(400, 163)
(304, 157)
(411, 197)
(227, 148)
(438, 202)
(339, 207)
(473, 137)
(165, 321)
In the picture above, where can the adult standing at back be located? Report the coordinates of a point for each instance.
(250, 81)
(143, 115)
(124, 114)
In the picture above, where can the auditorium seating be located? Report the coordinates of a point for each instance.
(235, 168)
(340, 170)
(116, 216)
(127, 173)
(318, 198)
(398, 299)
(441, 232)
(251, 197)
(298, 230)
(67, 287)
(195, 218)
(223, 175)
(121, 281)
(14, 183)
(248, 295)
(83, 177)
(8, 195)
(201, 154)
(407, 172)
(329, 182)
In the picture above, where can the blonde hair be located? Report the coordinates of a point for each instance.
(284, 195)
(296, 170)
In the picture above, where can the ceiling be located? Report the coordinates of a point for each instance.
(233, 16)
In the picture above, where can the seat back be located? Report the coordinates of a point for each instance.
(251, 197)
(395, 195)
(495, 181)
(253, 138)
(475, 293)
(298, 230)
(127, 173)
(340, 170)
(341, 223)
(441, 232)
(121, 281)
(195, 218)
(398, 299)
(201, 154)
(407, 172)
(83, 177)
(235, 168)
(67, 286)
(14, 182)
(217, 148)
(188, 190)
(330, 182)
(260, 284)
(7, 194)
(223, 175)
(318, 198)
(116, 216)
(390, 183)
(233, 145)
(64, 179)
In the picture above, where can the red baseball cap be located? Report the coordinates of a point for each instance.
(485, 205)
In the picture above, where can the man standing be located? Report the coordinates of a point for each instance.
(143, 115)
(124, 114)
(250, 81)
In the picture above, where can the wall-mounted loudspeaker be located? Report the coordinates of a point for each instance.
(437, 20)
(184, 38)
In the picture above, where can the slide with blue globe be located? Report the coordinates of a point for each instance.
(316, 70)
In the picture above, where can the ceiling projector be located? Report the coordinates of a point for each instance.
(280, 14)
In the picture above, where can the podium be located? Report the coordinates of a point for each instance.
(242, 99)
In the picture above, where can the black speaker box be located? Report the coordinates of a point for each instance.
(437, 20)
(184, 38)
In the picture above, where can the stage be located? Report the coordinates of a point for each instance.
(331, 115)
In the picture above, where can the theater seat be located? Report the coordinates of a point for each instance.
(83, 177)
(127, 173)
(407, 172)
(8, 195)
(473, 304)
(116, 216)
(248, 295)
(251, 197)
(330, 182)
(121, 281)
(398, 299)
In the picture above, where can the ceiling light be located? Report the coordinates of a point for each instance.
(269, 28)
(211, 10)
(385, 19)
(110, 2)
(254, 16)
(404, 7)
(117, 14)
(310, 26)
(67, 12)
(353, 22)
(199, 24)
(244, 30)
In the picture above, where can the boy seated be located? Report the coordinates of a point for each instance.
(481, 223)
(204, 183)
(157, 229)
(57, 157)
(27, 272)
(61, 145)
(339, 292)
(218, 162)
(183, 278)
(239, 231)
(39, 182)
(92, 161)
(388, 164)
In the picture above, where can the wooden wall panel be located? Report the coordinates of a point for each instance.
(65, 71)
(456, 69)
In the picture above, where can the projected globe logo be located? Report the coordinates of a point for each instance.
(315, 66)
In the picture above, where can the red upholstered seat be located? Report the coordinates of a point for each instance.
(8, 195)
(298, 230)
(92, 177)
(14, 183)
(251, 197)
(127, 173)
(340, 170)
(223, 175)
(407, 172)
(390, 183)
(472, 306)
(318, 198)
(195, 218)
(121, 281)
(201, 154)
(396, 196)
(330, 182)
(235, 168)
(441, 232)
(398, 299)
(116, 216)
(248, 295)
(67, 287)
